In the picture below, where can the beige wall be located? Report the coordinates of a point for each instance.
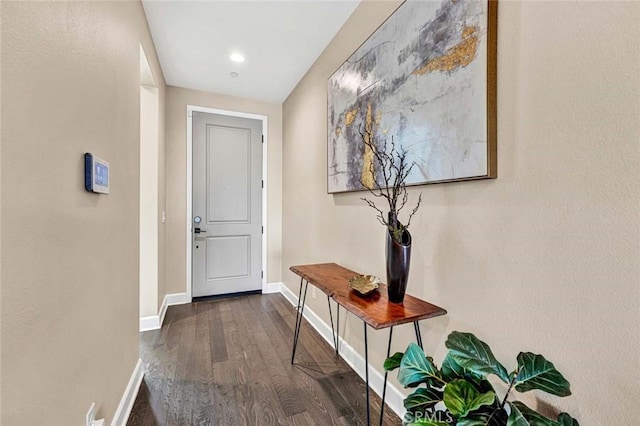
(70, 297)
(176, 127)
(545, 258)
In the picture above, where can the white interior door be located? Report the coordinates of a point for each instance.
(227, 204)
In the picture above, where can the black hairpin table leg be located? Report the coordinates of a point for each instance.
(386, 376)
(334, 334)
(337, 328)
(299, 316)
(416, 325)
(366, 372)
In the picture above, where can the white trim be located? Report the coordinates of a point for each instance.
(163, 311)
(190, 110)
(154, 322)
(177, 299)
(129, 397)
(394, 398)
(189, 197)
(149, 323)
(272, 288)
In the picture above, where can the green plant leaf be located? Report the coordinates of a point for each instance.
(516, 418)
(422, 399)
(527, 417)
(474, 355)
(460, 397)
(488, 415)
(535, 372)
(415, 368)
(521, 415)
(475, 420)
(566, 420)
(393, 361)
(472, 421)
(451, 370)
(482, 385)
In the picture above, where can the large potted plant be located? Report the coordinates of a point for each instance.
(458, 393)
(384, 175)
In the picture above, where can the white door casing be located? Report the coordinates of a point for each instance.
(149, 191)
(228, 254)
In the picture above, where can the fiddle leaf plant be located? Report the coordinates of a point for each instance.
(459, 393)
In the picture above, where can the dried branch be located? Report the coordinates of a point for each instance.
(380, 215)
(388, 176)
(415, 209)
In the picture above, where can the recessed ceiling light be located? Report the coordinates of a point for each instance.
(237, 57)
(234, 74)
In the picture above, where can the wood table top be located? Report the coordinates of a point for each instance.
(374, 309)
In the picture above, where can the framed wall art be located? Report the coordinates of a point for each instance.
(426, 78)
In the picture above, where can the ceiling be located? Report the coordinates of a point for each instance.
(279, 39)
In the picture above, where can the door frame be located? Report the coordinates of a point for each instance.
(189, 223)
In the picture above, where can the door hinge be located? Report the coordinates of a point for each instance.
(262, 231)
(263, 183)
(261, 274)
(262, 138)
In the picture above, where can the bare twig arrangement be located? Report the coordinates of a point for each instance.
(393, 169)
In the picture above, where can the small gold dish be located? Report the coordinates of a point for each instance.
(364, 284)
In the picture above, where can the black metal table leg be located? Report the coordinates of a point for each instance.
(333, 333)
(299, 317)
(416, 325)
(298, 310)
(295, 330)
(337, 328)
(366, 372)
(299, 299)
(386, 375)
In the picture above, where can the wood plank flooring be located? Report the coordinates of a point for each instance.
(227, 362)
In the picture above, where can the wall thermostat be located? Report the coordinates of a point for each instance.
(96, 174)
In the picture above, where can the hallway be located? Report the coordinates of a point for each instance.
(226, 362)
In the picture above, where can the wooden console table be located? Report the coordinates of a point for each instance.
(374, 310)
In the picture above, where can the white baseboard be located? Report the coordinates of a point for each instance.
(154, 322)
(394, 397)
(163, 311)
(149, 323)
(272, 288)
(177, 299)
(129, 397)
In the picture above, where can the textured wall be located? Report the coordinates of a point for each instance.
(70, 296)
(545, 258)
(176, 127)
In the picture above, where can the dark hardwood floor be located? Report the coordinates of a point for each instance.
(227, 362)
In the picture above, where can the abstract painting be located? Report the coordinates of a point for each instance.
(426, 78)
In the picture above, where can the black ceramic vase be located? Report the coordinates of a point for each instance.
(398, 260)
